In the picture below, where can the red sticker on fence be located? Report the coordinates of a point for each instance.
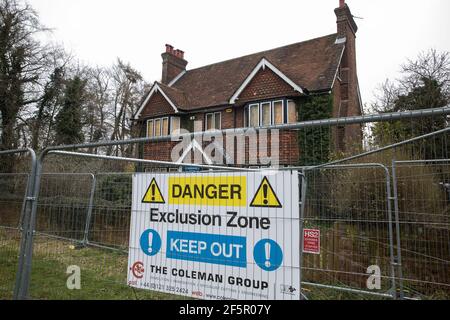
(311, 241)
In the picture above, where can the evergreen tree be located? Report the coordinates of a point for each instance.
(69, 120)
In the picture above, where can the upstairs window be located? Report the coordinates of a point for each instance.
(213, 121)
(165, 127)
(278, 112)
(266, 114)
(157, 127)
(150, 129)
(271, 113)
(162, 126)
(253, 115)
(175, 124)
(292, 112)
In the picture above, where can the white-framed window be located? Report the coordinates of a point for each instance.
(253, 115)
(213, 121)
(165, 127)
(157, 124)
(150, 129)
(292, 112)
(162, 126)
(267, 113)
(175, 124)
(278, 112)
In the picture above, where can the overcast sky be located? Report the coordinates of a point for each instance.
(209, 31)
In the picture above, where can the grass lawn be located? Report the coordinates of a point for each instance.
(103, 273)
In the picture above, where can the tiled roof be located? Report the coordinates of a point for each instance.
(310, 64)
(175, 95)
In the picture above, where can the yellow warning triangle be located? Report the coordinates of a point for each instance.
(153, 194)
(265, 196)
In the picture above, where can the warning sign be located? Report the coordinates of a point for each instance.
(311, 241)
(265, 196)
(207, 190)
(216, 235)
(153, 194)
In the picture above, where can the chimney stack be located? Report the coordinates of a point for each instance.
(173, 64)
(345, 22)
(348, 85)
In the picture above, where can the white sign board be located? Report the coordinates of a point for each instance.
(216, 235)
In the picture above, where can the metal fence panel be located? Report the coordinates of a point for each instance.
(110, 221)
(15, 220)
(423, 212)
(13, 189)
(66, 230)
(350, 205)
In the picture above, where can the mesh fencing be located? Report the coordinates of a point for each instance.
(350, 206)
(13, 187)
(83, 221)
(375, 195)
(422, 207)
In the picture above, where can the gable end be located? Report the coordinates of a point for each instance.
(261, 70)
(156, 103)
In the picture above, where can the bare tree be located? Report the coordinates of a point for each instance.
(42, 119)
(128, 88)
(429, 65)
(98, 96)
(22, 61)
(424, 84)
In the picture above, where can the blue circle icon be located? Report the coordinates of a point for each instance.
(150, 242)
(268, 255)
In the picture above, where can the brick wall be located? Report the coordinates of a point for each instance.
(345, 92)
(240, 117)
(172, 66)
(288, 152)
(266, 85)
(160, 151)
(228, 119)
(157, 106)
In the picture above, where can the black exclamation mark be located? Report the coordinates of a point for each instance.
(265, 190)
(153, 192)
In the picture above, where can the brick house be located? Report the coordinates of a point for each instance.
(265, 88)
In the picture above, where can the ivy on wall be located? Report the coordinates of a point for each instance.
(315, 143)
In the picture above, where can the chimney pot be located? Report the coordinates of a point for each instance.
(169, 48)
(173, 64)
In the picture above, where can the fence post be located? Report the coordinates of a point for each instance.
(389, 198)
(27, 250)
(26, 214)
(24, 204)
(302, 215)
(397, 229)
(89, 212)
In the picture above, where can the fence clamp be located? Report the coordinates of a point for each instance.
(30, 198)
